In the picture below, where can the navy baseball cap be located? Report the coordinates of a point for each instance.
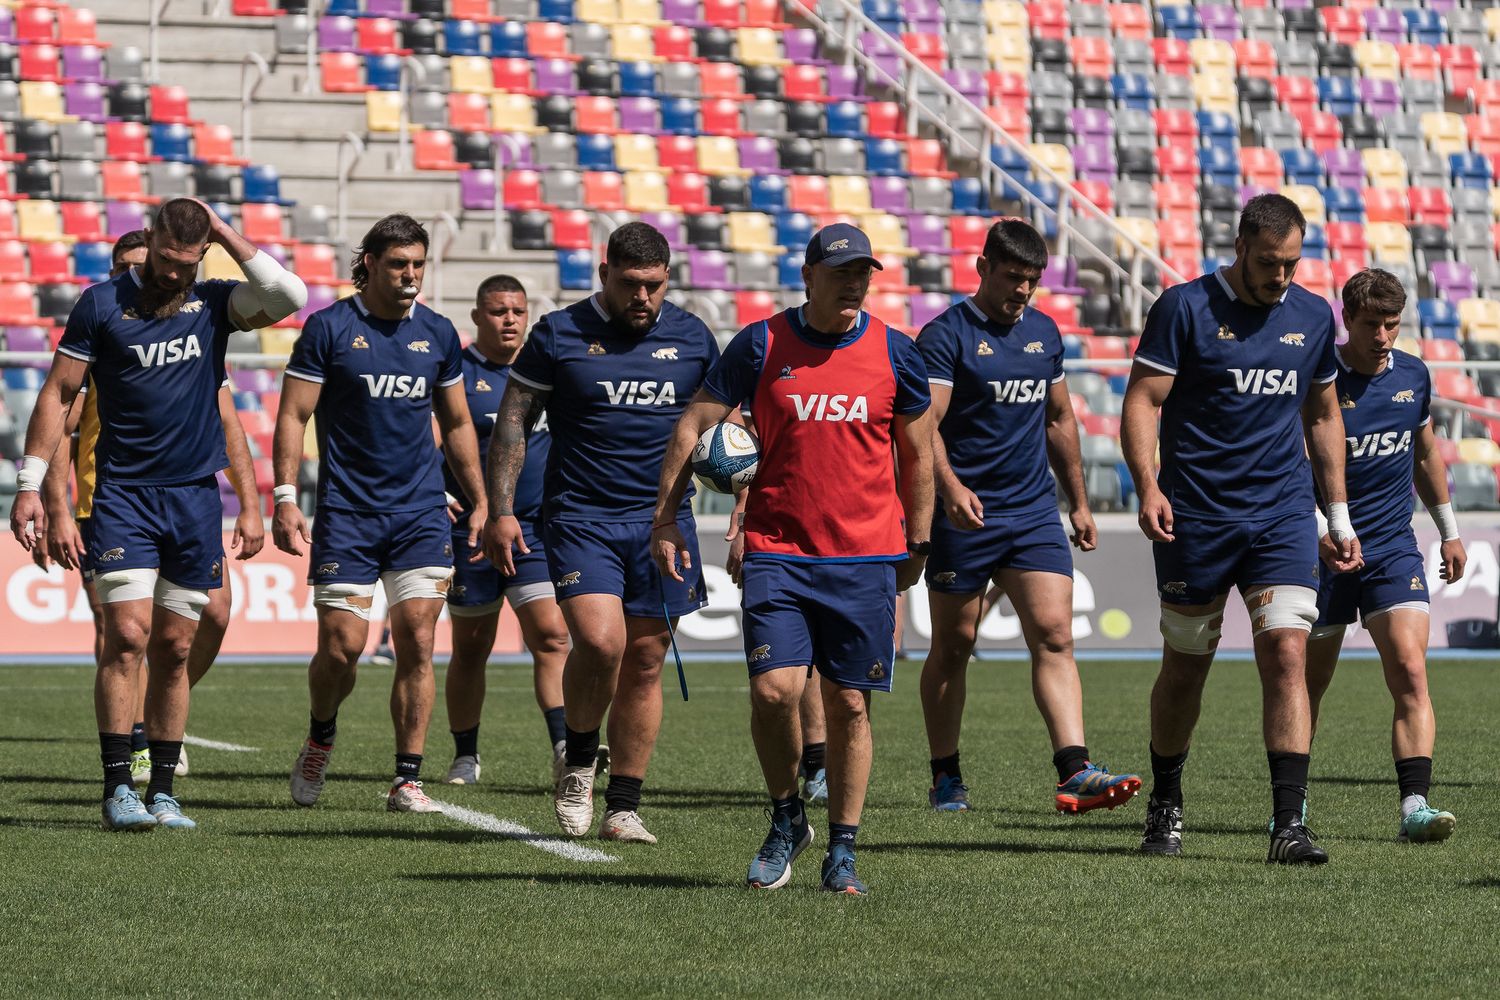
(840, 244)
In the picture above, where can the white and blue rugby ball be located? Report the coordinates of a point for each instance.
(725, 457)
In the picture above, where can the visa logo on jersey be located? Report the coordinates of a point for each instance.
(1020, 390)
(1379, 445)
(1264, 381)
(167, 352)
(396, 386)
(839, 407)
(635, 393)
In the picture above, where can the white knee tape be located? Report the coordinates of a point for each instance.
(1326, 631)
(424, 581)
(1281, 607)
(125, 585)
(353, 597)
(1192, 634)
(184, 601)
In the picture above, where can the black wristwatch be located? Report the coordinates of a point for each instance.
(919, 548)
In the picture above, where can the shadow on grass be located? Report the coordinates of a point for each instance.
(996, 847)
(572, 878)
(1384, 779)
(1482, 883)
(51, 779)
(436, 834)
(50, 824)
(44, 739)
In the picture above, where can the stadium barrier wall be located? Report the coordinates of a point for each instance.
(45, 613)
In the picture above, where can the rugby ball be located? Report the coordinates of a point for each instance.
(725, 458)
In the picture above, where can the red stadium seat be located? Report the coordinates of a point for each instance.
(126, 141)
(215, 144)
(522, 189)
(472, 10)
(721, 80)
(78, 26)
(1092, 56)
(925, 158)
(1485, 96)
(1102, 423)
(752, 306)
(378, 36)
(254, 8)
(315, 263)
(512, 75)
(595, 116)
(688, 192)
(1048, 20)
(722, 13)
(1441, 349)
(604, 191)
(39, 62)
(123, 181)
(1343, 24)
(1098, 193)
(169, 105)
(677, 152)
(342, 72)
(1315, 276)
(51, 263)
(13, 261)
(1129, 20)
(82, 220)
(547, 40)
(928, 48)
(966, 278)
(36, 24)
(469, 112)
(1419, 62)
(1452, 383)
(432, 149)
(1461, 67)
(803, 83)
(720, 116)
(1176, 201)
(966, 235)
(1007, 88)
(1386, 205)
(1255, 57)
(1180, 237)
(572, 229)
(18, 302)
(1013, 118)
(1061, 309)
(262, 223)
(1484, 131)
(1175, 127)
(1346, 240)
(1430, 205)
(674, 43)
(1177, 163)
(1321, 130)
(1261, 167)
(1344, 268)
(884, 120)
(891, 307)
(764, 14)
(807, 193)
(1172, 56)
(1297, 94)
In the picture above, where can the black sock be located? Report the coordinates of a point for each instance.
(138, 737)
(1069, 761)
(408, 767)
(623, 794)
(466, 742)
(1288, 786)
(813, 757)
(385, 638)
(323, 732)
(1166, 774)
(582, 748)
(114, 752)
(789, 807)
(557, 726)
(842, 835)
(946, 765)
(164, 756)
(1414, 775)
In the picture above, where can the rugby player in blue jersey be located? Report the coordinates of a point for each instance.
(500, 321)
(373, 368)
(1002, 412)
(152, 343)
(612, 373)
(1384, 395)
(1240, 364)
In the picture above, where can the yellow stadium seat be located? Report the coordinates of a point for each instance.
(719, 155)
(42, 101)
(470, 75)
(310, 438)
(1144, 231)
(1388, 242)
(1213, 56)
(1216, 92)
(1378, 60)
(596, 11)
(1385, 168)
(1445, 132)
(513, 113)
(1009, 53)
(635, 152)
(849, 194)
(887, 234)
(646, 191)
(1006, 15)
(632, 43)
(1411, 345)
(647, 12)
(752, 232)
(278, 340)
(40, 220)
(760, 47)
(1481, 451)
(1309, 199)
(219, 266)
(1495, 202)
(383, 110)
(1055, 156)
(1479, 319)
(1492, 22)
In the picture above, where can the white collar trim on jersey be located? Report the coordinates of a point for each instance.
(1390, 363)
(364, 310)
(1229, 290)
(984, 317)
(598, 304)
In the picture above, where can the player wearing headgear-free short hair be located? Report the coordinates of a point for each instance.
(1240, 366)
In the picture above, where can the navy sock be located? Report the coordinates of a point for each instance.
(946, 765)
(164, 757)
(466, 742)
(813, 755)
(138, 737)
(1288, 786)
(323, 732)
(408, 767)
(1069, 761)
(582, 748)
(1166, 773)
(557, 726)
(114, 753)
(1414, 775)
(385, 639)
(842, 835)
(623, 794)
(789, 807)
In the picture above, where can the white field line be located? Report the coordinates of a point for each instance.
(197, 741)
(515, 831)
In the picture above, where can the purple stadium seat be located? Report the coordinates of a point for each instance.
(887, 63)
(228, 497)
(477, 188)
(683, 12)
(639, 116)
(927, 307)
(1381, 97)
(1220, 21)
(1061, 276)
(925, 16)
(890, 194)
(7, 26)
(669, 224)
(845, 83)
(1454, 282)
(256, 380)
(386, 8)
(1091, 123)
(1248, 191)
(800, 46)
(1094, 160)
(555, 76)
(1345, 168)
(760, 155)
(519, 159)
(123, 217)
(27, 338)
(968, 82)
(336, 34)
(1382, 24)
(85, 99)
(927, 233)
(318, 297)
(709, 269)
(1296, 4)
(83, 63)
(1441, 6)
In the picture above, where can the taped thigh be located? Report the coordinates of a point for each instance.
(1196, 635)
(1281, 606)
(185, 601)
(423, 581)
(353, 597)
(125, 585)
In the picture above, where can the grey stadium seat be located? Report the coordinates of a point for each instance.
(1474, 487)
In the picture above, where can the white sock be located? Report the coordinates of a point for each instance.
(1411, 804)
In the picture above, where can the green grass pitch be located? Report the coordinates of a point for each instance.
(1008, 900)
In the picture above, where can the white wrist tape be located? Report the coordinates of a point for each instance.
(449, 498)
(1447, 524)
(1338, 522)
(29, 476)
(286, 493)
(1322, 522)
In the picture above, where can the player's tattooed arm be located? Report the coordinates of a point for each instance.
(1144, 397)
(1064, 455)
(520, 408)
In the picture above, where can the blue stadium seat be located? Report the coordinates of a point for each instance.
(846, 120)
(92, 260)
(262, 183)
(1181, 21)
(172, 141)
(560, 11)
(1218, 128)
(383, 72)
(1425, 26)
(1315, 242)
(23, 378)
(1118, 383)
(1439, 318)
(596, 152)
(1218, 165)
(462, 38)
(248, 400)
(1134, 91)
(788, 269)
(1072, 347)
(637, 79)
(1302, 166)
(1469, 169)
(1338, 94)
(679, 116)
(968, 197)
(768, 193)
(575, 270)
(886, 13)
(1342, 204)
(508, 40)
(884, 157)
(793, 229)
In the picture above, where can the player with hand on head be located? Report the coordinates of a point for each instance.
(1239, 363)
(152, 342)
(500, 321)
(1384, 394)
(1001, 413)
(67, 525)
(612, 374)
(373, 368)
(840, 402)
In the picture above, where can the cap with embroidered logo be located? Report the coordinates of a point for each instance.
(840, 244)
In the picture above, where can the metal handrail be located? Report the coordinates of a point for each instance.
(413, 73)
(350, 141)
(441, 231)
(249, 87)
(155, 10)
(311, 47)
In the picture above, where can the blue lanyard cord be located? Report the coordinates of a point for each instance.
(661, 586)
